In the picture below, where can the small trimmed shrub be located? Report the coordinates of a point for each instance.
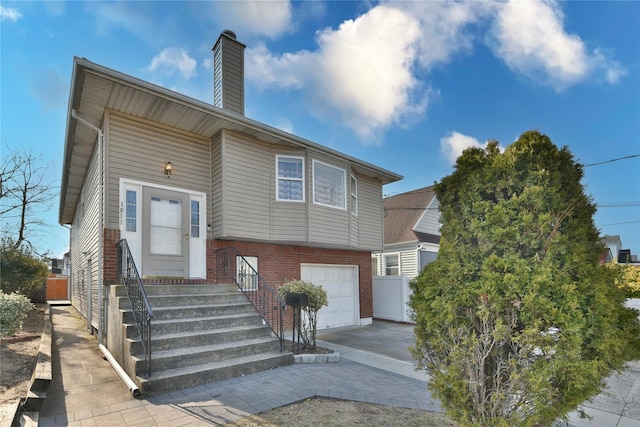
(13, 309)
(317, 298)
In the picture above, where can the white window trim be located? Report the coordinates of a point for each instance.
(384, 259)
(354, 195)
(278, 156)
(344, 183)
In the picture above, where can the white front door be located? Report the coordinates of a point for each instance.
(165, 233)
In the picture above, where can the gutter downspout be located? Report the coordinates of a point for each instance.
(133, 388)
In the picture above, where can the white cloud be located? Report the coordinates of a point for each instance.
(453, 145)
(529, 36)
(9, 14)
(260, 17)
(371, 72)
(170, 60)
(360, 74)
(445, 27)
(288, 70)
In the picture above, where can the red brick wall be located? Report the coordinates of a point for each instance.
(110, 238)
(276, 263)
(280, 263)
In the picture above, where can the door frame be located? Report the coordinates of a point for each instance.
(197, 246)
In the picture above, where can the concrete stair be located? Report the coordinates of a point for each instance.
(199, 334)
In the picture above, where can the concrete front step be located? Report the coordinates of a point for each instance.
(179, 378)
(189, 324)
(195, 299)
(167, 313)
(201, 337)
(184, 289)
(183, 357)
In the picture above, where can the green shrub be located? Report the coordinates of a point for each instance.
(20, 268)
(13, 309)
(316, 298)
(517, 323)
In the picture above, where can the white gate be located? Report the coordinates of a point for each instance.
(391, 297)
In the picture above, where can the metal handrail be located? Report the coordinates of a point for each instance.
(142, 311)
(262, 295)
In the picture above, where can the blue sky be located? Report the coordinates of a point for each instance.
(403, 85)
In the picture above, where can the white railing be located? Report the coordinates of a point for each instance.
(390, 298)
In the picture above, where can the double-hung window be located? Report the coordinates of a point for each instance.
(391, 265)
(329, 185)
(290, 178)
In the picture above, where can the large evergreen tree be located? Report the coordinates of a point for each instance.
(516, 321)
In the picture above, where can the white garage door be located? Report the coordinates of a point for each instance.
(341, 284)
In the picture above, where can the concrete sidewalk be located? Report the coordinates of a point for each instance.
(375, 366)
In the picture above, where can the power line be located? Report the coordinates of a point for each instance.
(612, 160)
(619, 223)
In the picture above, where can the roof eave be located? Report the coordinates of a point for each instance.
(82, 66)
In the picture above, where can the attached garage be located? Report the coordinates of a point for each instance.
(341, 284)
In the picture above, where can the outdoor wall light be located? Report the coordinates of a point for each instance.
(168, 167)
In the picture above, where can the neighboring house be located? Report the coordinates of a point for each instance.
(411, 233)
(179, 178)
(613, 246)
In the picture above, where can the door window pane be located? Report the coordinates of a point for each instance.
(195, 218)
(166, 229)
(131, 220)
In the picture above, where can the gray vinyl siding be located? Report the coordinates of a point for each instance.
(138, 150)
(246, 188)
(85, 238)
(370, 216)
(430, 220)
(244, 204)
(217, 185)
(228, 63)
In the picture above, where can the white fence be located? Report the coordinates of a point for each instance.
(390, 298)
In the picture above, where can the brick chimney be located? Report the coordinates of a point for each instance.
(228, 73)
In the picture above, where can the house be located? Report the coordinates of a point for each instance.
(613, 245)
(411, 233)
(181, 179)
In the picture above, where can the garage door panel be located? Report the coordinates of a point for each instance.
(341, 284)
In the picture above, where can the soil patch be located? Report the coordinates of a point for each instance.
(332, 412)
(18, 355)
